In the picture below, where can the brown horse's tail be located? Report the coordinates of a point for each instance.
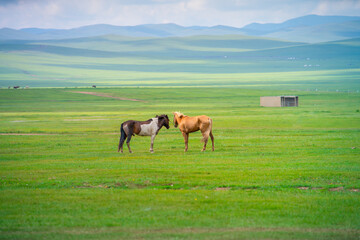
(122, 137)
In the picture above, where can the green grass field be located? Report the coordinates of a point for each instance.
(276, 173)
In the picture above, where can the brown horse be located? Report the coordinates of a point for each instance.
(150, 127)
(192, 124)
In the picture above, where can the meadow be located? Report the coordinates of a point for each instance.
(200, 61)
(276, 173)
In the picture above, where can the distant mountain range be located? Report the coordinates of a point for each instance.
(310, 28)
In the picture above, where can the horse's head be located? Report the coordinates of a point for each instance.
(177, 117)
(163, 120)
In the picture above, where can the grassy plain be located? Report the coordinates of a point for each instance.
(276, 173)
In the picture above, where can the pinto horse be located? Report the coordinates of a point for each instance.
(150, 127)
(192, 124)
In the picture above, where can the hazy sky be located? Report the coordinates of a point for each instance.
(75, 13)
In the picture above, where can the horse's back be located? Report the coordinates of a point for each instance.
(193, 124)
(204, 118)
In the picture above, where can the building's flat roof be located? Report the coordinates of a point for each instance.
(278, 96)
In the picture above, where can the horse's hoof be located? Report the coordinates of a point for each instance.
(151, 151)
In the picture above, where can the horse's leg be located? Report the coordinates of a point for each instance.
(212, 140)
(186, 139)
(129, 139)
(128, 143)
(123, 136)
(122, 143)
(205, 139)
(152, 143)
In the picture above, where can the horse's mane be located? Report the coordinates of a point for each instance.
(179, 114)
(162, 115)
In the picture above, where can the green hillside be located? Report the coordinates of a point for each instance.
(188, 61)
(197, 43)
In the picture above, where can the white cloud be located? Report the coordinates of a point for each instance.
(339, 7)
(75, 13)
(52, 9)
(196, 5)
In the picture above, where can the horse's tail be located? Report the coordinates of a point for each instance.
(211, 135)
(122, 137)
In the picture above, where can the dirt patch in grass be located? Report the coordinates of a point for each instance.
(109, 96)
(172, 186)
(336, 189)
(131, 185)
(48, 134)
(354, 190)
(77, 231)
(222, 188)
(85, 185)
(27, 134)
(311, 188)
(84, 119)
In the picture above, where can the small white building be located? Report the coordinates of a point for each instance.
(279, 101)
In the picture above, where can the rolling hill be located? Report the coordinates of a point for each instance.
(229, 60)
(300, 22)
(147, 30)
(311, 28)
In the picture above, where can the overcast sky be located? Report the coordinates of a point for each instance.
(75, 13)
